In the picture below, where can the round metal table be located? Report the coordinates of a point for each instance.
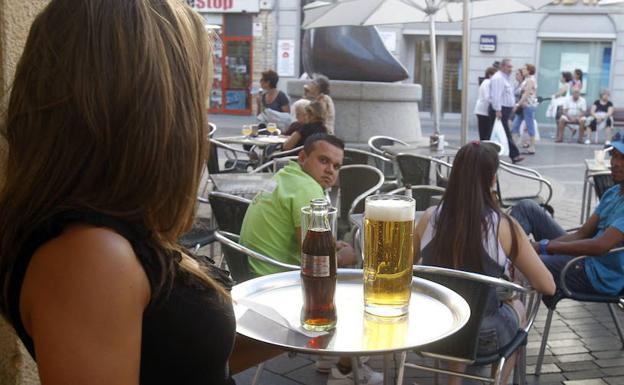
(434, 313)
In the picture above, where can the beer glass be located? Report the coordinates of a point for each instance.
(272, 128)
(246, 131)
(388, 254)
(318, 266)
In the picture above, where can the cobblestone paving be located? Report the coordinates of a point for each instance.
(583, 347)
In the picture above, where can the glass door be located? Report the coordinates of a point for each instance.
(452, 81)
(422, 72)
(237, 82)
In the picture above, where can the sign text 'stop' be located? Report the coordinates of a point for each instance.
(225, 6)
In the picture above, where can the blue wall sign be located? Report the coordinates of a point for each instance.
(487, 43)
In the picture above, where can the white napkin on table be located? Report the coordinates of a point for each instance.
(273, 315)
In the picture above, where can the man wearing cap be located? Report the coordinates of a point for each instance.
(603, 231)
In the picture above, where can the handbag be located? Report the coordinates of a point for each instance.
(499, 136)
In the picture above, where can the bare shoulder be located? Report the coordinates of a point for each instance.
(83, 264)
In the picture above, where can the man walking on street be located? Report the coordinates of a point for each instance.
(502, 101)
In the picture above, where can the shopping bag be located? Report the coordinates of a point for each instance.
(498, 136)
(551, 111)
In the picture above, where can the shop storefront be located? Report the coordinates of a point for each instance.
(560, 37)
(232, 21)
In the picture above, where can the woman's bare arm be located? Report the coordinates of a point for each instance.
(82, 302)
(292, 141)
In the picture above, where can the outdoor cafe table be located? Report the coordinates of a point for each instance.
(243, 184)
(592, 167)
(434, 313)
(423, 149)
(260, 140)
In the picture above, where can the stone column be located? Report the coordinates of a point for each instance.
(16, 365)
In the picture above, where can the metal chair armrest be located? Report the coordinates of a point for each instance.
(226, 239)
(474, 277)
(281, 154)
(368, 192)
(533, 176)
(570, 263)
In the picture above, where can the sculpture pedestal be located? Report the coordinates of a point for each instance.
(365, 109)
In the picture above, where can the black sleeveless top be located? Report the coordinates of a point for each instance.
(188, 330)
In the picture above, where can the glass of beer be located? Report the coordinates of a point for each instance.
(388, 254)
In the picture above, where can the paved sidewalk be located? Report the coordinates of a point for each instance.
(583, 347)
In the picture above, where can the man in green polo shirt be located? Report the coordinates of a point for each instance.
(272, 224)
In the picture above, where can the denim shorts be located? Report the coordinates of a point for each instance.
(498, 329)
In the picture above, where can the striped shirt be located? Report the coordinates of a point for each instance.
(501, 91)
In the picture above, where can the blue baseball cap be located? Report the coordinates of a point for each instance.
(618, 142)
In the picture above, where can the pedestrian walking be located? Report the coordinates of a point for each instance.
(483, 104)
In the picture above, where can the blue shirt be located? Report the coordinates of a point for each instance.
(606, 273)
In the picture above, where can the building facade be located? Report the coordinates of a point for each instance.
(564, 36)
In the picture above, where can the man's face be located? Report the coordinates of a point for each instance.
(576, 95)
(322, 163)
(617, 166)
(507, 67)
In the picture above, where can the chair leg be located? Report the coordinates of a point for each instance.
(540, 357)
(400, 368)
(499, 371)
(616, 321)
(519, 377)
(258, 373)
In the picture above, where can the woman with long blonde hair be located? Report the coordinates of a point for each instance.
(107, 142)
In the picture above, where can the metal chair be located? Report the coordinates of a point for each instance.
(233, 163)
(376, 142)
(421, 194)
(356, 183)
(416, 169)
(201, 234)
(566, 293)
(273, 165)
(462, 346)
(601, 181)
(237, 255)
(212, 128)
(542, 196)
(385, 165)
(229, 212)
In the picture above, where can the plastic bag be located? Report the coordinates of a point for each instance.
(281, 119)
(551, 111)
(499, 136)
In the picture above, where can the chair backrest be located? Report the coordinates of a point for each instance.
(422, 195)
(228, 210)
(356, 183)
(376, 142)
(237, 262)
(355, 156)
(415, 169)
(213, 159)
(463, 344)
(602, 182)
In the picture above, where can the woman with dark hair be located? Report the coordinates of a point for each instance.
(483, 104)
(271, 97)
(318, 90)
(99, 189)
(468, 231)
(577, 82)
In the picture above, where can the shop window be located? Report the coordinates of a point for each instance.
(592, 57)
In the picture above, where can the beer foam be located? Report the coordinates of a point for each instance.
(390, 210)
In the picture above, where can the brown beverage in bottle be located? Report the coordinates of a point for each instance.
(318, 277)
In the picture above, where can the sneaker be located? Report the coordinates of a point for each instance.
(587, 141)
(369, 376)
(324, 364)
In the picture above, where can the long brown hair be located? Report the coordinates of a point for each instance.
(107, 113)
(462, 221)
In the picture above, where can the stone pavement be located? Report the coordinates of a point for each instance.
(583, 347)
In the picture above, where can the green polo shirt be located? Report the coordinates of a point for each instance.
(271, 219)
